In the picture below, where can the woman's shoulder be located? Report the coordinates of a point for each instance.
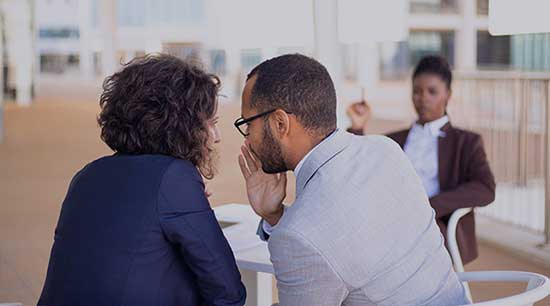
(138, 159)
(142, 163)
(182, 181)
(180, 172)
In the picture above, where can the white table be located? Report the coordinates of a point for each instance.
(250, 252)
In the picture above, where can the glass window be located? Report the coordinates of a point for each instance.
(434, 6)
(422, 43)
(483, 7)
(493, 52)
(58, 63)
(394, 60)
(397, 59)
(59, 33)
(531, 52)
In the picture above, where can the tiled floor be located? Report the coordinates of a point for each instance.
(48, 142)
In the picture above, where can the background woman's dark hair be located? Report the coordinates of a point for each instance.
(437, 65)
(159, 104)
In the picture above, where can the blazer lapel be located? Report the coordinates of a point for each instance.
(401, 138)
(445, 148)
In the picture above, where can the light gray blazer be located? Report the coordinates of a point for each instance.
(361, 232)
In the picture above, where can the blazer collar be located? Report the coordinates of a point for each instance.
(447, 127)
(433, 127)
(324, 152)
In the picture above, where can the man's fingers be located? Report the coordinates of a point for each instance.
(244, 169)
(282, 178)
(252, 165)
(254, 155)
(282, 181)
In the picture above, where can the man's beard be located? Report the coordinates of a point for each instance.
(270, 153)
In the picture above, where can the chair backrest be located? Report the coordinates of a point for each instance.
(453, 245)
(538, 286)
(451, 237)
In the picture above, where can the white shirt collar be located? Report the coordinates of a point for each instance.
(301, 163)
(434, 127)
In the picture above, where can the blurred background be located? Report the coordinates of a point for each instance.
(54, 55)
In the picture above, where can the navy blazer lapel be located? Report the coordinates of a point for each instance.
(324, 152)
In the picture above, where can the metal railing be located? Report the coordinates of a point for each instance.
(511, 111)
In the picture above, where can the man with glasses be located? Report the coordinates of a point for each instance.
(361, 230)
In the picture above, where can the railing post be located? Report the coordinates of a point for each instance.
(1, 80)
(547, 167)
(522, 132)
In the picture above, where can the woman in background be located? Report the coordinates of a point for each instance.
(451, 162)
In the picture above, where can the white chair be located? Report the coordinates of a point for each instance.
(451, 237)
(453, 245)
(538, 286)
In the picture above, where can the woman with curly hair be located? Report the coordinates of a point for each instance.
(136, 227)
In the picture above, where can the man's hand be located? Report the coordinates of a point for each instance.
(360, 114)
(266, 192)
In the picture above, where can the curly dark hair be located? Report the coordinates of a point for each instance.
(160, 104)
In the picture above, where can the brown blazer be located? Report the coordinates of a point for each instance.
(465, 180)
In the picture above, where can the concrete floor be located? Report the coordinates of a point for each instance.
(45, 144)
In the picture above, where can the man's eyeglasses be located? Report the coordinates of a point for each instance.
(242, 121)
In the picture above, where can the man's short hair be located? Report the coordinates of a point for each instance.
(299, 85)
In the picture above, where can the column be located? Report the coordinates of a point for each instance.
(86, 54)
(234, 76)
(368, 70)
(1, 80)
(466, 38)
(327, 47)
(108, 30)
(547, 170)
(19, 40)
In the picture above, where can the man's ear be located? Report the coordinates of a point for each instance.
(280, 123)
